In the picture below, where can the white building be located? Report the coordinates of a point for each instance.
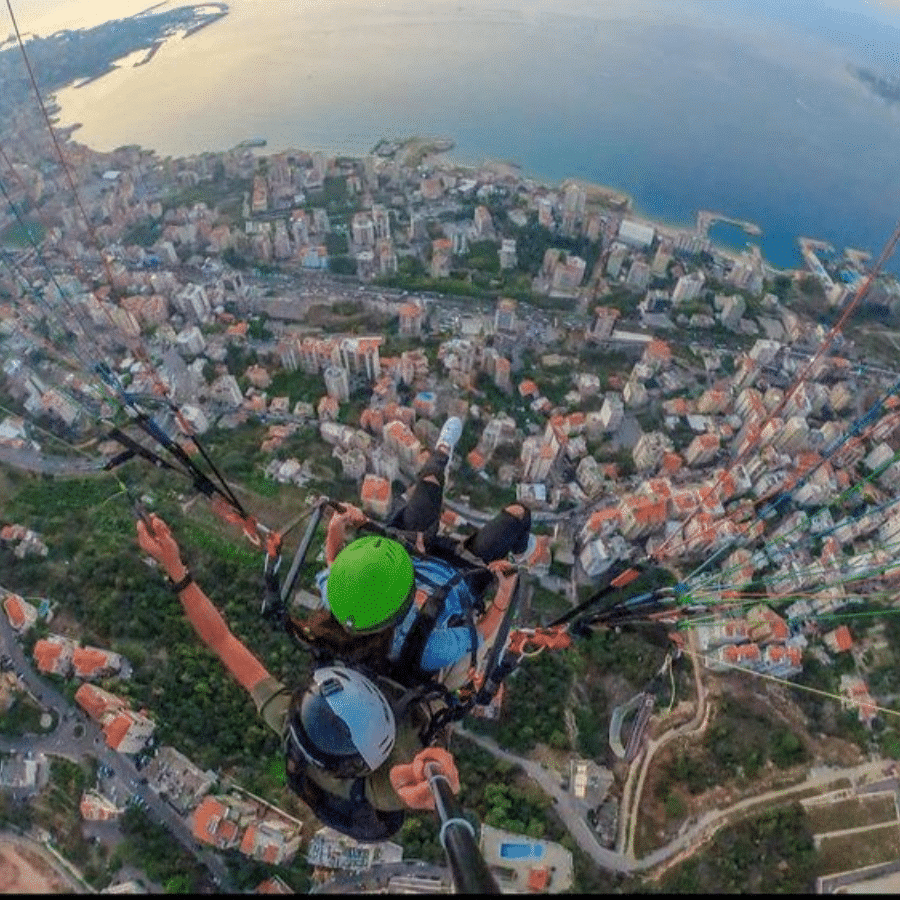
(636, 235)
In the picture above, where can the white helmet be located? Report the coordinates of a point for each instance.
(343, 724)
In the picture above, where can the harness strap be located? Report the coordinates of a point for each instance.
(407, 662)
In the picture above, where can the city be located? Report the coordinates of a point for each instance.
(650, 396)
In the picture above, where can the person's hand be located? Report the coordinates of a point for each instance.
(503, 570)
(353, 515)
(410, 780)
(160, 544)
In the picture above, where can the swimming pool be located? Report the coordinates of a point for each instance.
(521, 851)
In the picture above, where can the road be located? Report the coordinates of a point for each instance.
(571, 813)
(640, 766)
(36, 461)
(77, 736)
(694, 834)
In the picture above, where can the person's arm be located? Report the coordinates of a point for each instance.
(247, 670)
(336, 536)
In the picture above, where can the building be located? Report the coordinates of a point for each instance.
(603, 323)
(174, 777)
(337, 382)
(702, 450)
(633, 234)
(125, 730)
(638, 277)
(21, 614)
(505, 320)
(53, 655)
(508, 258)
(649, 450)
(688, 288)
(411, 316)
(612, 412)
(375, 496)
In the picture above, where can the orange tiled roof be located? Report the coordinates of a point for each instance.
(248, 841)
(14, 611)
(538, 879)
(273, 885)
(92, 702)
(738, 653)
(202, 819)
(842, 637)
(602, 515)
(401, 433)
(375, 487)
(671, 462)
(661, 487)
(116, 730)
(46, 653)
(648, 511)
(658, 350)
(526, 387)
(87, 660)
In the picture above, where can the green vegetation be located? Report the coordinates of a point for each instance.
(336, 197)
(152, 849)
(119, 602)
(144, 234)
(336, 244)
(533, 240)
(23, 717)
(23, 234)
(738, 744)
(534, 705)
(772, 853)
(212, 193)
(342, 265)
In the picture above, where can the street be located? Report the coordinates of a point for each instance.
(77, 736)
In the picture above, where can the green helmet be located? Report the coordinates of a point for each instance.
(370, 584)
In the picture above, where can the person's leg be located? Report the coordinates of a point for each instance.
(422, 511)
(506, 533)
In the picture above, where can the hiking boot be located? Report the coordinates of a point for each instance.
(522, 558)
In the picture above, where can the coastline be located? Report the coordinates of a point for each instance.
(622, 201)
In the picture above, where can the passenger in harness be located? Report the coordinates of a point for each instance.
(411, 615)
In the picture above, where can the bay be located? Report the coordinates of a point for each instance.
(744, 107)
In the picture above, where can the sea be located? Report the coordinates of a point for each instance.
(746, 108)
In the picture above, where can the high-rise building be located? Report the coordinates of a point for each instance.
(688, 288)
(505, 316)
(337, 382)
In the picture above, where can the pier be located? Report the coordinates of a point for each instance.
(705, 219)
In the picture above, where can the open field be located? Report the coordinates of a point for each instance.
(24, 870)
(845, 852)
(854, 812)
